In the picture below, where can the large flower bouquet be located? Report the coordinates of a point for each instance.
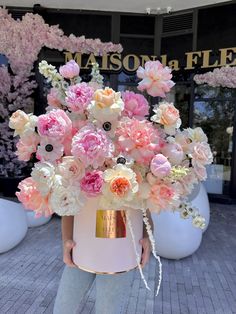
(94, 141)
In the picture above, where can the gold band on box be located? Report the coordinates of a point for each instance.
(110, 224)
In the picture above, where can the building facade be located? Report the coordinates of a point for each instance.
(190, 42)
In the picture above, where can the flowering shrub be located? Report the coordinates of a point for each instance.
(225, 77)
(18, 84)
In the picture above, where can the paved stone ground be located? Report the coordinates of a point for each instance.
(204, 283)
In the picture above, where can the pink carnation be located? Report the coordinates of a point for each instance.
(136, 105)
(92, 146)
(92, 183)
(160, 166)
(69, 70)
(78, 97)
(31, 198)
(55, 124)
(139, 139)
(156, 79)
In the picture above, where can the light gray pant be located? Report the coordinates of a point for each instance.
(112, 291)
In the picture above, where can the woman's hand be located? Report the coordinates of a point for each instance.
(67, 252)
(146, 245)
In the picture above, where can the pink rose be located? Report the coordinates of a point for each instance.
(18, 120)
(136, 105)
(53, 98)
(78, 97)
(92, 146)
(201, 154)
(31, 198)
(156, 79)
(161, 197)
(71, 169)
(70, 70)
(55, 124)
(92, 183)
(26, 146)
(160, 166)
(174, 152)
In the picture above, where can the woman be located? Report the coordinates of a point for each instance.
(111, 290)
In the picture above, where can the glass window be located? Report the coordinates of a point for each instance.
(206, 91)
(215, 117)
(143, 25)
(137, 46)
(175, 47)
(180, 96)
(217, 27)
(89, 25)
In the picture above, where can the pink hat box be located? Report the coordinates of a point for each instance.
(104, 243)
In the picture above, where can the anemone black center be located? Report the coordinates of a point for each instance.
(49, 148)
(107, 126)
(121, 160)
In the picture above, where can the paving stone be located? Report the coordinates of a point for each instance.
(204, 283)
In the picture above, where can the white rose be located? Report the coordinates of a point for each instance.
(44, 175)
(66, 201)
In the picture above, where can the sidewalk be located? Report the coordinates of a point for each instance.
(202, 283)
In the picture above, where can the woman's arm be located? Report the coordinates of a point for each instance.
(67, 223)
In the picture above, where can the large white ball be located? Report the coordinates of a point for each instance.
(175, 237)
(13, 224)
(36, 221)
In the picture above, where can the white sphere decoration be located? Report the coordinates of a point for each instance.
(35, 221)
(13, 224)
(175, 237)
(201, 202)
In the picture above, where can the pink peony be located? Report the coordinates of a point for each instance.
(26, 146)
(70, 70)
(136, 105)
(92, 183)
(174, 152)
(31, 198)
(139, 139)
(156, 79)
(55, 124)
(92, 146)
(78, 97)
(160, 166)
(53, 98)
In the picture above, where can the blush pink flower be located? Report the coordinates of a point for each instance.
(156, 79)
(136, 105)
(78, 97)
(92, 146)
(31, 198)
(26, 146)
(201, 154)
(174, 152)
(70, 70)
(53, 98)
(161, 197)
(139, 139)
(55, 124)
(92, 183)
(160, 166)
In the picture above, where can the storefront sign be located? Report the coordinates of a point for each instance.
(131, 62)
